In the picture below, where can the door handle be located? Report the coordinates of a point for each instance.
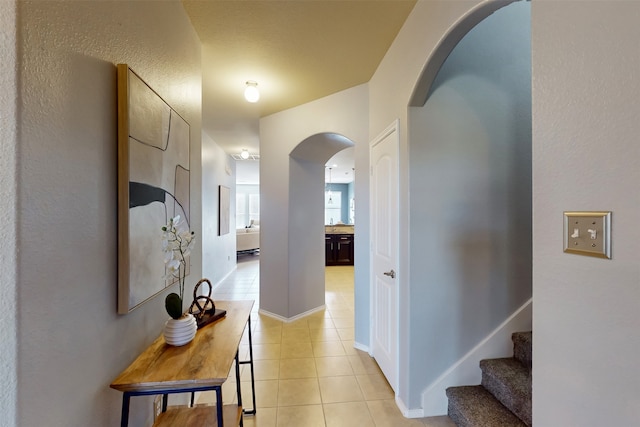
(391, 274)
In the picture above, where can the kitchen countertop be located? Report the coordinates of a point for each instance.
(339, 229)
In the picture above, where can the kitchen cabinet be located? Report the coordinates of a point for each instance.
(338, 249)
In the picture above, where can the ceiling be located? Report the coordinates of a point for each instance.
(341, 166)
(296, 50)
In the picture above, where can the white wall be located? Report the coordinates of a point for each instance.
(8, 213)
(344, 113)
(586, 156)
(218, 252)
(72, 344)
(470, 187)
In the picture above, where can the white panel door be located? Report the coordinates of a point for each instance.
(384, 253)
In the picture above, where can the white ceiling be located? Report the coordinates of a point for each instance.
(248, 172)
(341, 166)
(296, 50)
(342, 172)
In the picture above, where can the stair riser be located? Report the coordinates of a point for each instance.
(522, 348)
(504, 397)
(474, 406)
(524, 357)
(515, 401)
(456, 416)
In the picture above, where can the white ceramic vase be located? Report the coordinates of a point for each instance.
(180, 331)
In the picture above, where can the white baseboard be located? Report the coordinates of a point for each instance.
(291, 319)
(361, 347)
(219, 282)
(466, 371)
(406, 412)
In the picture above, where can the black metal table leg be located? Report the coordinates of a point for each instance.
(239, 387)
(219, 406)
(124, 420)
(250, 362)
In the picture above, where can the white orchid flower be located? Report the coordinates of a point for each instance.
(177, 243)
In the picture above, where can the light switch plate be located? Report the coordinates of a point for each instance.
(588, 233)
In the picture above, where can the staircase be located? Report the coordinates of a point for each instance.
(504, 397)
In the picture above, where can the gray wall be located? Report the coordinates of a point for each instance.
(306, 220)
(306, 235)
(218, 252)
(586, 156)
(585, 103)
(470, 187)
(8, 213)
(390, 90)
(72, 344)
(293, 133)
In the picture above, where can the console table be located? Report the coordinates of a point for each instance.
(201, 365)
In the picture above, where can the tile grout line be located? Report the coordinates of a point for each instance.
(339, 309)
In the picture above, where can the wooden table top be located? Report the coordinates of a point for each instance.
(205, 361)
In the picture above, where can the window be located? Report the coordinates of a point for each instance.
(247, 205)
(254, 207)
(332, 207)
(241, 210)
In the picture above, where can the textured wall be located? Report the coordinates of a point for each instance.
(8, 213)
(344, 113)
(72, 342)
(586, 156)
(218, 252)
(470, 187)
(390, 90)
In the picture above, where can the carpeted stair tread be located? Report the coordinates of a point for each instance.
(474, 406)
(510, 382)
(523, 347)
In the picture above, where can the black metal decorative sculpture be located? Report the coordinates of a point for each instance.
(203, 308)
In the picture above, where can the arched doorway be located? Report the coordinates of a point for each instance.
(306, 219)
(469, 251)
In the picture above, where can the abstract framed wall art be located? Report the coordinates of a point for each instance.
(153, 186)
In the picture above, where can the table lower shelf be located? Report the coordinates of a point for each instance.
(199, 415)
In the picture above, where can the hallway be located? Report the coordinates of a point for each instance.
(307, 372)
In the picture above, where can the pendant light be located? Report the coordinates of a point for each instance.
(330, 201)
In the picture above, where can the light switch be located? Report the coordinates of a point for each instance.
(588, 233)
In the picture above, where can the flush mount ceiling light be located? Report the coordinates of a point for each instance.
(244, 153)
(251, 93)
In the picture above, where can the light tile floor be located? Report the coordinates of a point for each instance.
(307, 372)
